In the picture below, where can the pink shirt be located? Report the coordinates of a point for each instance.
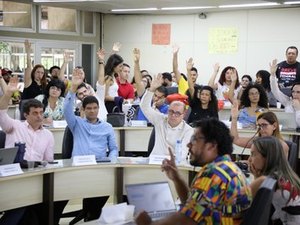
(39, 143)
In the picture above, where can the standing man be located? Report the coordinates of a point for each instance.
(125, 90)
(288, 71)
(168, 129)
(219, 192)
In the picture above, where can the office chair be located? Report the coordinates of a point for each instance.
(151, 142)
(2, 139)
(260, 209)
(91, 207)
(293, 154)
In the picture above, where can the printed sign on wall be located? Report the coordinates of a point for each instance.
(161, 34)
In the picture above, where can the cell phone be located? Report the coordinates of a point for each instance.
(53, 162)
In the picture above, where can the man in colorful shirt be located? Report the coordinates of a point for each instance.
(219, 192)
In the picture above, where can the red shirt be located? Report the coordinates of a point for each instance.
(125, 90)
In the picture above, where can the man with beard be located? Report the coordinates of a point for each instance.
(219, 192)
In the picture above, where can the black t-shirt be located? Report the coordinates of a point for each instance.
(32, 91)
(288, 74)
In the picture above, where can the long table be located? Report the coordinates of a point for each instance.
(46, 185)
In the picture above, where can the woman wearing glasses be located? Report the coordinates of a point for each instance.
(53, 101)
(267, 159)
(267, 124)
(291, 104)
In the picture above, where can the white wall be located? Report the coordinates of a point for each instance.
(263, 35)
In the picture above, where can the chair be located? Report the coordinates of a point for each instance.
(293, 154)
(2, 139)
(259, 211)
(91, 207)
(151, 142)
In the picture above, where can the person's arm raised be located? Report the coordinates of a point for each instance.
(234, 78)
(172, 173)
(101, 56)
(212, 79)
(10, 89)
(189, 66)
(140, 88)
(67, 59)
(175, 63)
(28, 69)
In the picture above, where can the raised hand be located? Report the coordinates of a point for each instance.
(116, 47)
(169, 166)
(27, 45)
(216, 67)
(77, 78)
(273, 67)
(136, 55)
(189, 64)
(67, 57)
(156, 82)
(175, 48)
(13, 85)
(101, 54)
(233, 75)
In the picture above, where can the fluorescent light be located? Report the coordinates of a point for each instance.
(132, 10)
(292, 3)
(249, 5)
(188, 8)
(13, 12)
(63, 1)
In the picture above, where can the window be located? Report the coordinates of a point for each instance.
(58, 20)
(88, 23)
(16, 16)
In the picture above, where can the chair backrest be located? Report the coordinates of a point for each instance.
(151, 141)
(67, 144)
(259, 211)
(293, 154)
(2, 139)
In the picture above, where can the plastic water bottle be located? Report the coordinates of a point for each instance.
(178, 150)
(17, 113)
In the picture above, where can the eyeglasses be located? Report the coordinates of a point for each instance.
(175, 113)
(262, 126)
(159, 97)
(194, 138)
(295, 92)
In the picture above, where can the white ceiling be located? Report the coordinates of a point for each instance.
(105, 6)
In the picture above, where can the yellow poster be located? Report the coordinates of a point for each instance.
(222, 40)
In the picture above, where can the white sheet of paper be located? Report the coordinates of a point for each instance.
(82, 160)
(10, 169)
(157, 159)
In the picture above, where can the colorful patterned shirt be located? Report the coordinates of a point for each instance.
(219, 193)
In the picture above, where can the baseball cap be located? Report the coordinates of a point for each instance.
(5, 71)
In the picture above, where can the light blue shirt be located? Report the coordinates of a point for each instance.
(89, 138)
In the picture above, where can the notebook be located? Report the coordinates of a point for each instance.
(154, 198)
(8, 155)
(287, 120)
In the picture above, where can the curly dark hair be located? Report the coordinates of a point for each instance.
(263, 98)
(223, 73)
(215, 131)
(213, 103)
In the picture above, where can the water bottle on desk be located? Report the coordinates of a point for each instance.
(178, 152)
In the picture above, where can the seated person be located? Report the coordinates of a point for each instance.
(219, 193)
(253, 101)
(91, 135)
(30, 132)
(267, 159)
(170, 128)
(53, 101)
(125, 89)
